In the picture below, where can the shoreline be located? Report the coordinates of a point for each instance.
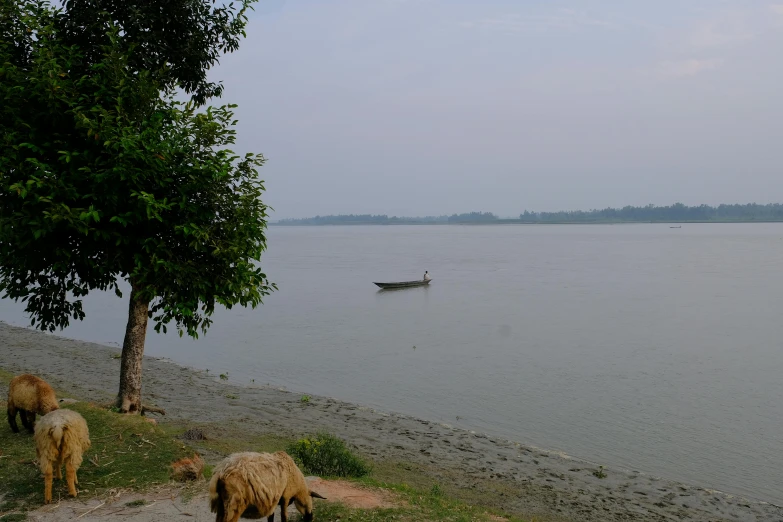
(529, 480)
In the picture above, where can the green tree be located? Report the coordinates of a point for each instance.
(178, 41)
(104, 177)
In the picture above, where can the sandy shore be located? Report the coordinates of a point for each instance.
(536, 481)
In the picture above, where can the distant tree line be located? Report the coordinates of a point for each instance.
(648, 214)
(473, 217)
(383, 219)
(652, 213)
(363, 219)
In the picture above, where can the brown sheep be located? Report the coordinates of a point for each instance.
(251, 485)
(29, 395)
(61, 437)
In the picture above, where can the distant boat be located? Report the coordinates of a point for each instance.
(676, 227)
(404, 284)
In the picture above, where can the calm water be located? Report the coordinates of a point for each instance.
(636, 346)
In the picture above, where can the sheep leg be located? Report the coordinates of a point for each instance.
(271, 518)
(234, 510)
(47, 473)
(25, 419)
(58, 468)
(70, 477)
(284, 509)
(30, 421)
(12, 418)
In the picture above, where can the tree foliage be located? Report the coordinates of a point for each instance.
(177, 40)
(104, 175)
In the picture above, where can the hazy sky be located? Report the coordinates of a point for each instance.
(414, 107)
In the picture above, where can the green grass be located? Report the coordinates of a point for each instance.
(226, 438)
(414, 506)
(327, 456)
(126, 452)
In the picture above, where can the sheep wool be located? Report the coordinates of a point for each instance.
(61, 437)
(29, 395)
(251, 485)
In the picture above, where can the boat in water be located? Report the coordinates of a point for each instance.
(403, 284)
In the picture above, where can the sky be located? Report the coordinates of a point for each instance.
(430, 107)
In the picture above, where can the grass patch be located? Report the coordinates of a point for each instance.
(446, 484)
(327, 456)
(414, 506)
(126, 452)
(5, 377)
(225, 438)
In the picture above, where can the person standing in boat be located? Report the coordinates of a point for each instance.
(427, 276)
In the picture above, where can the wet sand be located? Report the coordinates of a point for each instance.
(535, 481)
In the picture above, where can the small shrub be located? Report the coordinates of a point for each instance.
(436, 491)
(224, 376)
(600, 473)
(193, 434)
(327, 455)
(305, 399)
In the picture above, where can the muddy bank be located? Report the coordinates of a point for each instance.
(535, 481)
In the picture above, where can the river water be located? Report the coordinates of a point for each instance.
(634, 346)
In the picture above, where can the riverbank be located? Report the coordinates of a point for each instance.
(479, 469)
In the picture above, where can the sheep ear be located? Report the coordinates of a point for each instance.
(316, 495)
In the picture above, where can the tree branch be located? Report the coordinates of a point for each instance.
(152, 409)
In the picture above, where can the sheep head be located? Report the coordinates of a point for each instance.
(305, 505)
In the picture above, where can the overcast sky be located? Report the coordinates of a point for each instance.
(418, 107)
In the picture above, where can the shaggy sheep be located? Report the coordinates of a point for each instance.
(28, 395)
(61, 437)
(251, 485)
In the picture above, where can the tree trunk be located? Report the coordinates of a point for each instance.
(129, 397)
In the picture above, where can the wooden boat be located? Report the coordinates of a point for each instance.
(403, 284)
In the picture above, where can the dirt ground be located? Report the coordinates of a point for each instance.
(173, 504)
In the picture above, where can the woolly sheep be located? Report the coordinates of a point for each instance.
(61, 437)
(251, 485)
(29, 395)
